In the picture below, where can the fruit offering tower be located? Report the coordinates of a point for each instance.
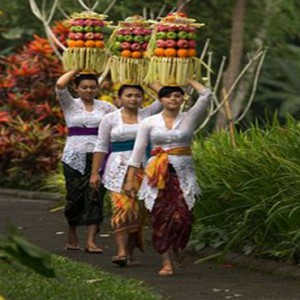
(172, 51)
(128, 45)
(86, 45)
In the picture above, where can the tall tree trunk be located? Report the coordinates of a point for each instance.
(258, 41)
(236, 53)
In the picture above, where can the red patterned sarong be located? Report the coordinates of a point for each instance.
(171, 219)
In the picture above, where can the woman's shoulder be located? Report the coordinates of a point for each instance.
(100, 104)
(152, 119)
(112, 115)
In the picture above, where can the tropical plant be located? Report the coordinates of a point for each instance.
(31, 121)
(251, 192)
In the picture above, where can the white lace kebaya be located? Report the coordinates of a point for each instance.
(181, 135)
(113, 130)
(76, 115)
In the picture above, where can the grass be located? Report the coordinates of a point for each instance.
(76, 281)
(251, 199)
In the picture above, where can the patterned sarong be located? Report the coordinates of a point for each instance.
(84, 205)
(128, 214)
(170, 217)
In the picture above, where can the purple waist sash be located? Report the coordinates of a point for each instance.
(83, 131)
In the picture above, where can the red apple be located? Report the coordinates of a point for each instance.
(144, 46)
(78, 22)
(126, 31)
(135, 46)
(182, 44)
(137, 31)
(98, 23)
(88, 22)
(191, 29)
(146, 31)
(170, 43)
(172, 28)
(125, 46)
(98, 36)
(192, 44)
(72, 35)
(162, 28)
(161, 43)
(89, 36)
(79, 36)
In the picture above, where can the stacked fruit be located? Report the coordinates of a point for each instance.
(131, 39)
(172, 49)
(175, 41)
(128, 45)
(86, 33)
(176, 37)
(86, 47)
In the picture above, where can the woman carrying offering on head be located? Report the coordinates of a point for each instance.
(117, 134)
(169, 187)
(82, 116)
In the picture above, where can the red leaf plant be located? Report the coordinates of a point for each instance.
(32, 128)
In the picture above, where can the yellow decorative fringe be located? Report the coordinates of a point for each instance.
(91, 59)
(173, 71)
(128, 70)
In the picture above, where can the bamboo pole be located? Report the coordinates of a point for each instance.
(228, 115)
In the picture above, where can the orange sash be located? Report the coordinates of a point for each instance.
(157, 170)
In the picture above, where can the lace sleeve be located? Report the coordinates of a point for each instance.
(140, 145)
(152, 109)
(64, 97)
(195, 114)
(103, 139)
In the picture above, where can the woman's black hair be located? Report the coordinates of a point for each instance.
(81, 77)
(127, 86)
(167, 90)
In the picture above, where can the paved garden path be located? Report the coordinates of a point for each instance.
(208, 281)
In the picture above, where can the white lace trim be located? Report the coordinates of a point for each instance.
(115, 171)
(75, 160)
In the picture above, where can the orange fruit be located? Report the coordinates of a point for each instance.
(159, 52)
(192, 52)
(99, 44)
(126, 53)
(136, 54)
(89, 43)
(71, 43)
(182, 53)
(170, 52)
(79, 43)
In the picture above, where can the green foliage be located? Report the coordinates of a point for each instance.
(251, 193)
(78, 281)
(16, 27)
(31, 124)
(16, 250)
(279, 87)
